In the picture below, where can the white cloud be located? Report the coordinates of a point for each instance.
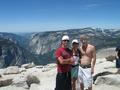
(90, 6)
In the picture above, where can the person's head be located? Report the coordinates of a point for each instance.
(84, 39)
(65, 40)
(75, 43)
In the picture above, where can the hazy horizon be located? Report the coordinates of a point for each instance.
(20, 32)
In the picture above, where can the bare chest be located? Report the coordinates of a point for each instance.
(88, 51)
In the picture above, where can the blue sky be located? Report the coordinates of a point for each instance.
(49, 15)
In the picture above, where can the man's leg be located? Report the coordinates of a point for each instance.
(80, 78)
(73, 84)
(68, 84)
(88, 79)
(60, 81)
(81, 86)
(89, 88)
(74, 75)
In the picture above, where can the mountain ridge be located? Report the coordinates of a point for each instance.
(41, 45)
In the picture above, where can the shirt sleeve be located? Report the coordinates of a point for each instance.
(58, 53)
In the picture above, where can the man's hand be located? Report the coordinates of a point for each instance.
(65, 61)
(70, 60)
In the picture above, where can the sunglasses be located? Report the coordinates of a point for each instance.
(75, 43)
(66, 40)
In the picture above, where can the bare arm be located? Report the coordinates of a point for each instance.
(93, 60)
(65, 61)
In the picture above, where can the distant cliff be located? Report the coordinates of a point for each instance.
(44, 42)
(39, 47)
(20, 40)
(12, 54)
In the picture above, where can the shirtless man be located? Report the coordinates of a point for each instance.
(87, 63)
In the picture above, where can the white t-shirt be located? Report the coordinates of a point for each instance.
(76, 60)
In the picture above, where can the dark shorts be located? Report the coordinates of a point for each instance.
(63, 81)
(118, 63)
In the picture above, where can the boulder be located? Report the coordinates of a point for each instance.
(35, 87)
(105, 66)
(22, 70)
(104, 87)
(12, 88)
(111, 58)
(20, 81)
(5, 82)
(40, 67)
(11, 70)
(32, 79)
(29, 65)
(101, 74)
(109, 80)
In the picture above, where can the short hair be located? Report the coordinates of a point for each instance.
(84, 37)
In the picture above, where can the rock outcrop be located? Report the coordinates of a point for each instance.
(32, 78)
(29, 65)
(11, 70)
(5, 82)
